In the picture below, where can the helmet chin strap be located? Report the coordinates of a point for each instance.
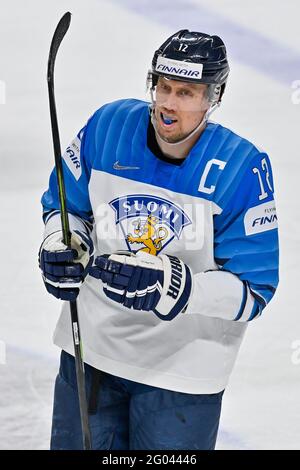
(208, 113)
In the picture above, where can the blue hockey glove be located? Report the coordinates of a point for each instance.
(141, 281)
(64, 269)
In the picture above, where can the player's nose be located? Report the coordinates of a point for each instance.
(169, 108)
(169, 103)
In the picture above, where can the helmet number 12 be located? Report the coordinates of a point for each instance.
(265, 171)
(183, 47)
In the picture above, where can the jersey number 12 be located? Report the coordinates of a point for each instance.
(265, 170)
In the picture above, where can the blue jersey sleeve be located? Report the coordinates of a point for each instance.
(246, 235)
(77, 163)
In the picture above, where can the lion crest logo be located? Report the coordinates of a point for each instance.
(148, 223)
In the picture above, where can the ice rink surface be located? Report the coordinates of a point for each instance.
(105, 56)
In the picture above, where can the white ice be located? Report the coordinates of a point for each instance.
(105, 56)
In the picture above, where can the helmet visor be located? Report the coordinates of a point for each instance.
(178, 95)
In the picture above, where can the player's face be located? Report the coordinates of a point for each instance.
(179, 108)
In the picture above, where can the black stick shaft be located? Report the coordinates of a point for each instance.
(59, 33)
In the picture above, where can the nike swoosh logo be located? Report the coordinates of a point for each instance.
(116, 166)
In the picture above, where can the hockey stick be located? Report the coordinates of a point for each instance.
(58, 36)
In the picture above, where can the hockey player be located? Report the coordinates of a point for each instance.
(174, 252)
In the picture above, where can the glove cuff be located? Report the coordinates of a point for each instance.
(177, 288)
(53, 224)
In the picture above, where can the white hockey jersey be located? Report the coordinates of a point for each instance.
(215, 211)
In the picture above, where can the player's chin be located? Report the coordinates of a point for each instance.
(172, 136)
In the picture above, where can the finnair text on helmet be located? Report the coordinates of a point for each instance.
(179, 68)
(178, 71)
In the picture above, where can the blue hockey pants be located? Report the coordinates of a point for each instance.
(125, 415)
